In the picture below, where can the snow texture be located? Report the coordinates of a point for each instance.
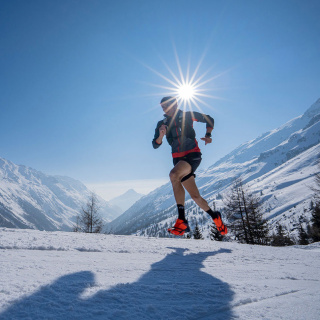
(58, 275)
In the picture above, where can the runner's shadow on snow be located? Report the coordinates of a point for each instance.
(174, 288)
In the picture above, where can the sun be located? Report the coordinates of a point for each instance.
(190, 89)
(186, 92)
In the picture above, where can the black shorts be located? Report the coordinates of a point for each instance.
(194, 159)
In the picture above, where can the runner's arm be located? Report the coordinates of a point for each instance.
(200, 117)
(157, 139)
(209, 121)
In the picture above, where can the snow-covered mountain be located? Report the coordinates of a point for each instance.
(279, 165)
(126, 200)
(32, 199)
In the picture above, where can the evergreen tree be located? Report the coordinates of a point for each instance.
(303, 236)
(311, 205)
(280, 239)
(235, 212)
(316, 189)
(315, 223)
(244, 213)
(215, 235)
(314, 228)
(259, 225)
(197, 233)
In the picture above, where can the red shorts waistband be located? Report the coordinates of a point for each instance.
(184, 153)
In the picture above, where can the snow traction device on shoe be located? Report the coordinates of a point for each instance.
(219, 224)
(179, 228)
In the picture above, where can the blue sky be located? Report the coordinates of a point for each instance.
(77, 94)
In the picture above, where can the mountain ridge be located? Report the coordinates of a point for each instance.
(126, 200)
(31, 199)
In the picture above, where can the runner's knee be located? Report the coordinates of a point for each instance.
(174, 175)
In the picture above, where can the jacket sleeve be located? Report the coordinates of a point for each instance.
(156, 136)
(200, 117)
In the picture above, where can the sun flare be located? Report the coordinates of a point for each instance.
(190, 89)
(186, 92)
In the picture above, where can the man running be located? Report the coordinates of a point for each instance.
(177, 125)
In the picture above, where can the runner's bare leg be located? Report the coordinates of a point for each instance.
(191, 187)
(180, 170)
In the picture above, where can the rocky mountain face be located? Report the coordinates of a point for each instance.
(279, 166)
(32, 199)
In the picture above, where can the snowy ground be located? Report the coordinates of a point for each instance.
(57, 275)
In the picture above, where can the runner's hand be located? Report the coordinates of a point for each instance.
(163, 130)
(207, 140)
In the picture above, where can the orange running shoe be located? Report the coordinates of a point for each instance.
(180, 228)
(220, 226)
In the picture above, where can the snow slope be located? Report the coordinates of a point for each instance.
(32, 199)
(126, 200)
(279, 165)
(57, 275)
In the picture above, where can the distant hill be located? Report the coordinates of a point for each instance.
(126, 200)
(32, 199)
(279, 166)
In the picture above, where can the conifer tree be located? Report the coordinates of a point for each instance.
(303, 236)
(316, 188)
(245, 215)
(215, 235)
(259, 225)
(315, 210)
(280, 239)
(235, 212)
(197, 233)
(89, 220)
(315, 223)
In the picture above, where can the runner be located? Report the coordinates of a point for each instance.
(177, 125)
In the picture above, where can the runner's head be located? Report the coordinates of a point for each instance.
(169, 105)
